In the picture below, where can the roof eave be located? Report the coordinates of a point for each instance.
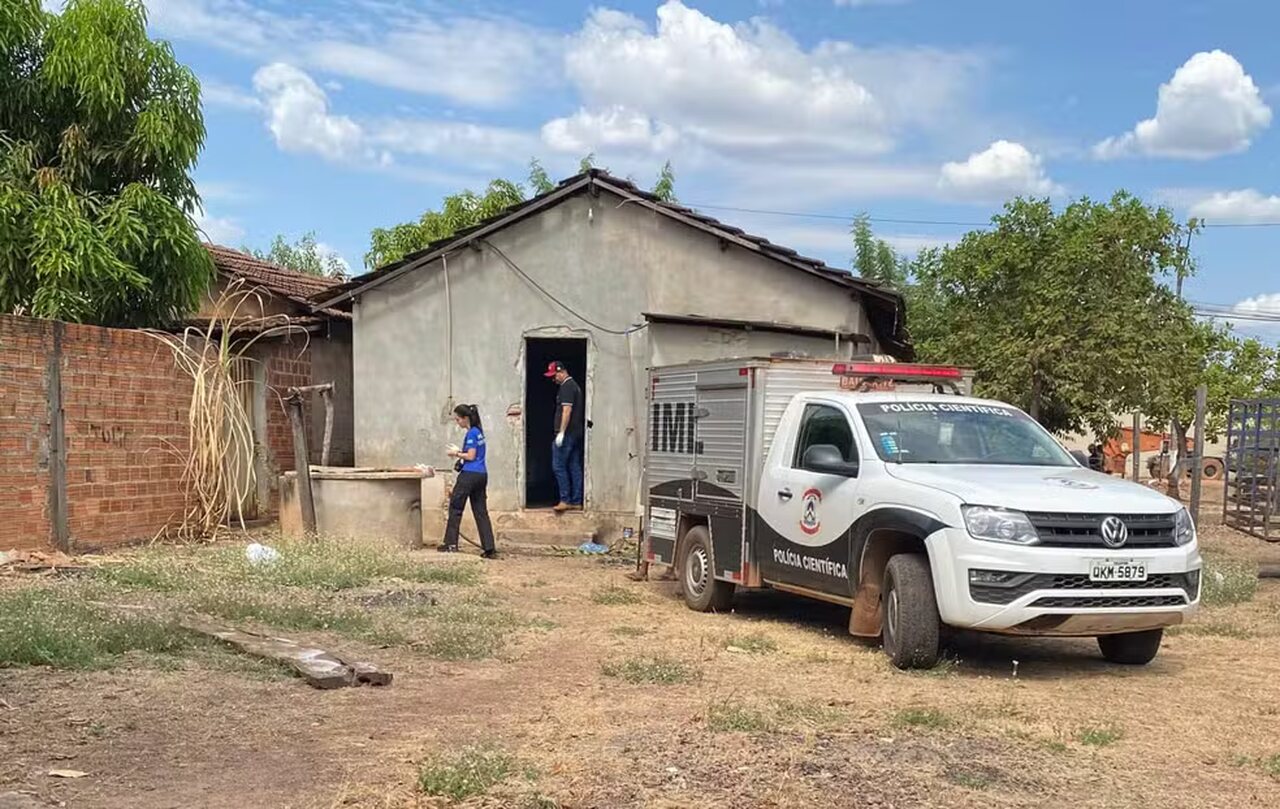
(379, 277)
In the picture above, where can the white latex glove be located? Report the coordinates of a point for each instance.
(560, 439)
(454, 449)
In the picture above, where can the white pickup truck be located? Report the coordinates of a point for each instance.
(881, 487)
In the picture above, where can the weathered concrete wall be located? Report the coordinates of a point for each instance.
(377, 506)
(606, 262)
(331, 362)
(672, 343)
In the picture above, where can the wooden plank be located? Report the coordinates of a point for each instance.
(319, 668)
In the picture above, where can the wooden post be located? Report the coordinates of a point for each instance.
(1197, 460)
(302, 462)
(327, 396)
(1137, 447)
(58, 503)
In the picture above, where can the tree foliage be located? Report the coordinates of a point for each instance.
(467, 208)
(875, 259)
(1065, 314)
(665, 188)
(99, 129)
(305, 255)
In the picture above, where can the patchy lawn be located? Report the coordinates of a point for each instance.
(544, 681)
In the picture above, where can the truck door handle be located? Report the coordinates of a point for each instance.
(784, 494)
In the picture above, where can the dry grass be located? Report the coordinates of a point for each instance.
(646, 708)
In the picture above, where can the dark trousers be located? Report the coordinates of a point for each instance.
(566, 463)
(473, 486)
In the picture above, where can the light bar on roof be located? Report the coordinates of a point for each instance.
(895, 370)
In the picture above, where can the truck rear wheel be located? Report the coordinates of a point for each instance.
(702, 590)
(1131, 648)
(909, 613)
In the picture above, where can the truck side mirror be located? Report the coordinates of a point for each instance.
(826, 459)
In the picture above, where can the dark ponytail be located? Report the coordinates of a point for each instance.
(471, 413)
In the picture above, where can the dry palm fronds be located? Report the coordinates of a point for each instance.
(219, 426)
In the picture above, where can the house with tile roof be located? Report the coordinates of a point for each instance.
(292, 344)
(607, 279)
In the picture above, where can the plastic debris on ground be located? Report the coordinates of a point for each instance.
(593, 547)
(259, 555)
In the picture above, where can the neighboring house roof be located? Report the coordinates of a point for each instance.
(295, 286)
(884, 306)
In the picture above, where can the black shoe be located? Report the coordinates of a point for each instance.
(489, 555)
(447, 548)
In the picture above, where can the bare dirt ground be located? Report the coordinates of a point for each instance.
(778, 708)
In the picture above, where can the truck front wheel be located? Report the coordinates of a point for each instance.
(909, 613)
(702, 590)
(1131, 648)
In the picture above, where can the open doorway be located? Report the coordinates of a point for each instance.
(540, 411)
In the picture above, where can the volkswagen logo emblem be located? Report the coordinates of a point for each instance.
(1114, 532)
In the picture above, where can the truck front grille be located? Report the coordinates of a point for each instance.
(1085, 602)
(1023, 584)
(1074, 530)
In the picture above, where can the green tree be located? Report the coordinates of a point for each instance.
(587, 163)
(1065, 314)
(1206, 354)
(665, 188)
(459, 211)
(305, 255)
(539, 180)
(875, 259)
(465, 209)
(99, 129)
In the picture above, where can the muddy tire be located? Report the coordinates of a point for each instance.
(702, 591)
(1131, 648)
(1211, 469)
(909, 621)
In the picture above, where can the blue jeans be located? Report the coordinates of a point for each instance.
(566, 463)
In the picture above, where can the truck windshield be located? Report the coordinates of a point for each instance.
(959, 433)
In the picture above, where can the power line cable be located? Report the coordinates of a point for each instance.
(516, 268)
(939, 222)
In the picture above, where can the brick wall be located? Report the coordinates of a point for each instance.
(288, 364)
(124, 410)
(126, 432)
(24, 432)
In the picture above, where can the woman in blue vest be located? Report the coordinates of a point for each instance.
(472, 483)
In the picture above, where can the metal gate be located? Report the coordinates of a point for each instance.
(1251, 501)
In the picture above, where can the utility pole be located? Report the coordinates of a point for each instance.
(1197, 461)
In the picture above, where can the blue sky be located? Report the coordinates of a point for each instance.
(339, 116)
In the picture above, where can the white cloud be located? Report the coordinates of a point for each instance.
(1210, 107)
(746, 90)
(471, 60)
(1244, 205)
(486, 145)
(299, 118)
(327, 252)
(220, 94)
(1254, 316)
(613, 128)
(1002, 170)
(219, 230)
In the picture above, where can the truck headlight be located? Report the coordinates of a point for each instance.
(1184, 530)
(999, 525)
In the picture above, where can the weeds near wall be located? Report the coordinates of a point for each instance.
(219, 473)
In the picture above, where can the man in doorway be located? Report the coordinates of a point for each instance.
(566, 455)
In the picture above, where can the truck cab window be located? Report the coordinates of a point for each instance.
(823, 424)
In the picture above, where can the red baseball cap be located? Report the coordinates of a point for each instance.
(554, 368)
